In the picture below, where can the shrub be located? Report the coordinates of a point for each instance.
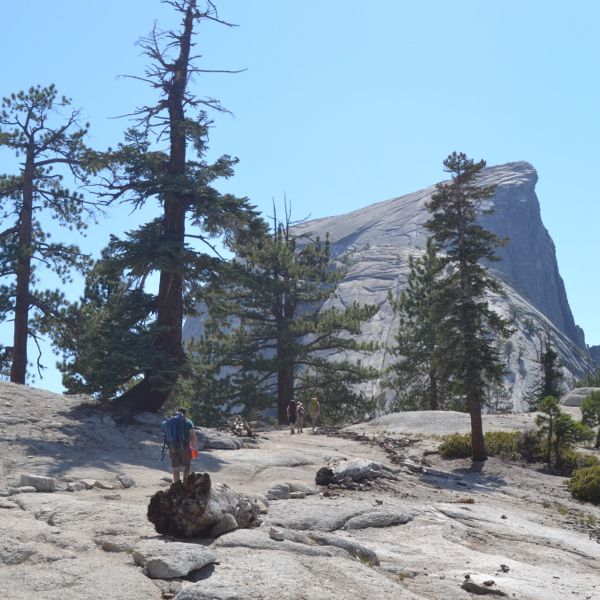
(572, 460)
(456, 446)
(529, 446)
(585, 484)
(503, 443)
(497, 443)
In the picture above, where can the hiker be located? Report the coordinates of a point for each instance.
(299, 417)
(180, 450)
(292, 410)
(314, 410)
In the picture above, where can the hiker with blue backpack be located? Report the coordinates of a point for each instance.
(180, 439)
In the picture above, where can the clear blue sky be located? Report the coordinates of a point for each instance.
(345, 103)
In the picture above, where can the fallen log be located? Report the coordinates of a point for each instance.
(196, 508)
(351, 471)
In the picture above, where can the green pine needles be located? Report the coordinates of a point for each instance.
(466, 326)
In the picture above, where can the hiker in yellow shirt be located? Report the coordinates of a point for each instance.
(314, 410)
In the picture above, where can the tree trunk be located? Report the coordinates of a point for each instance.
(18, 369)
(433, 391)
(154, 390)
(196, 508)
(474, 405)
(285, 391)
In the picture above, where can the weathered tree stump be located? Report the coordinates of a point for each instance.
(196, 508)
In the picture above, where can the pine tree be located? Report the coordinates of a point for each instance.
(590, 413)
(285, 322)
(178, 246)
(550, 377)
(465, 352)
(45, 132)
(416, 380)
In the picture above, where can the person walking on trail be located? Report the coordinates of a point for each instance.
(299, 417)
(292, 411)
(181, 452)
(314, 410)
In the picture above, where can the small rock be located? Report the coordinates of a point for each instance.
(297, 486)
(276, 534)
(108, 420)
(505, 568)
(118, 544)
(24, 489)
(489, 582)
(112, 496)
(39, 482)
(126, 481)
(75, 486)
(297, 495)
(281, 491)
(104, 485)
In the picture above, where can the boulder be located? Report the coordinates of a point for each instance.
(126, 481)
(40, 483)
(280, 491)
(162, 559)
(576, 396)
(212, 438)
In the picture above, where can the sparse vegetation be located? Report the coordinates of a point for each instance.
(498, 443)
(585, 484)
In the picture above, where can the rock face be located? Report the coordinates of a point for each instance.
(375, 242)
(412, 536)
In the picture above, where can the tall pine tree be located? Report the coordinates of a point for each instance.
(45, 133)
(550, 378)
(286, 327)
(467, 325)
(177, 246)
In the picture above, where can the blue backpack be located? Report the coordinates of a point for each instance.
(174, 428)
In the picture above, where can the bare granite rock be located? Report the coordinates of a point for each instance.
(513, 524)
(374, 244)
(164, 559)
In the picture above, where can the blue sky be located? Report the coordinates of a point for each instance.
(345, 103)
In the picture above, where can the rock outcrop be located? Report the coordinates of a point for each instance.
(374, 243)
(414, 536)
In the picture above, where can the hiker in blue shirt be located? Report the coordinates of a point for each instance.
(180, 454)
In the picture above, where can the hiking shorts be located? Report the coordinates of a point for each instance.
(292, 419)
(181, 458)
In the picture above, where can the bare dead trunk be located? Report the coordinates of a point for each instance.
(154, 390)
